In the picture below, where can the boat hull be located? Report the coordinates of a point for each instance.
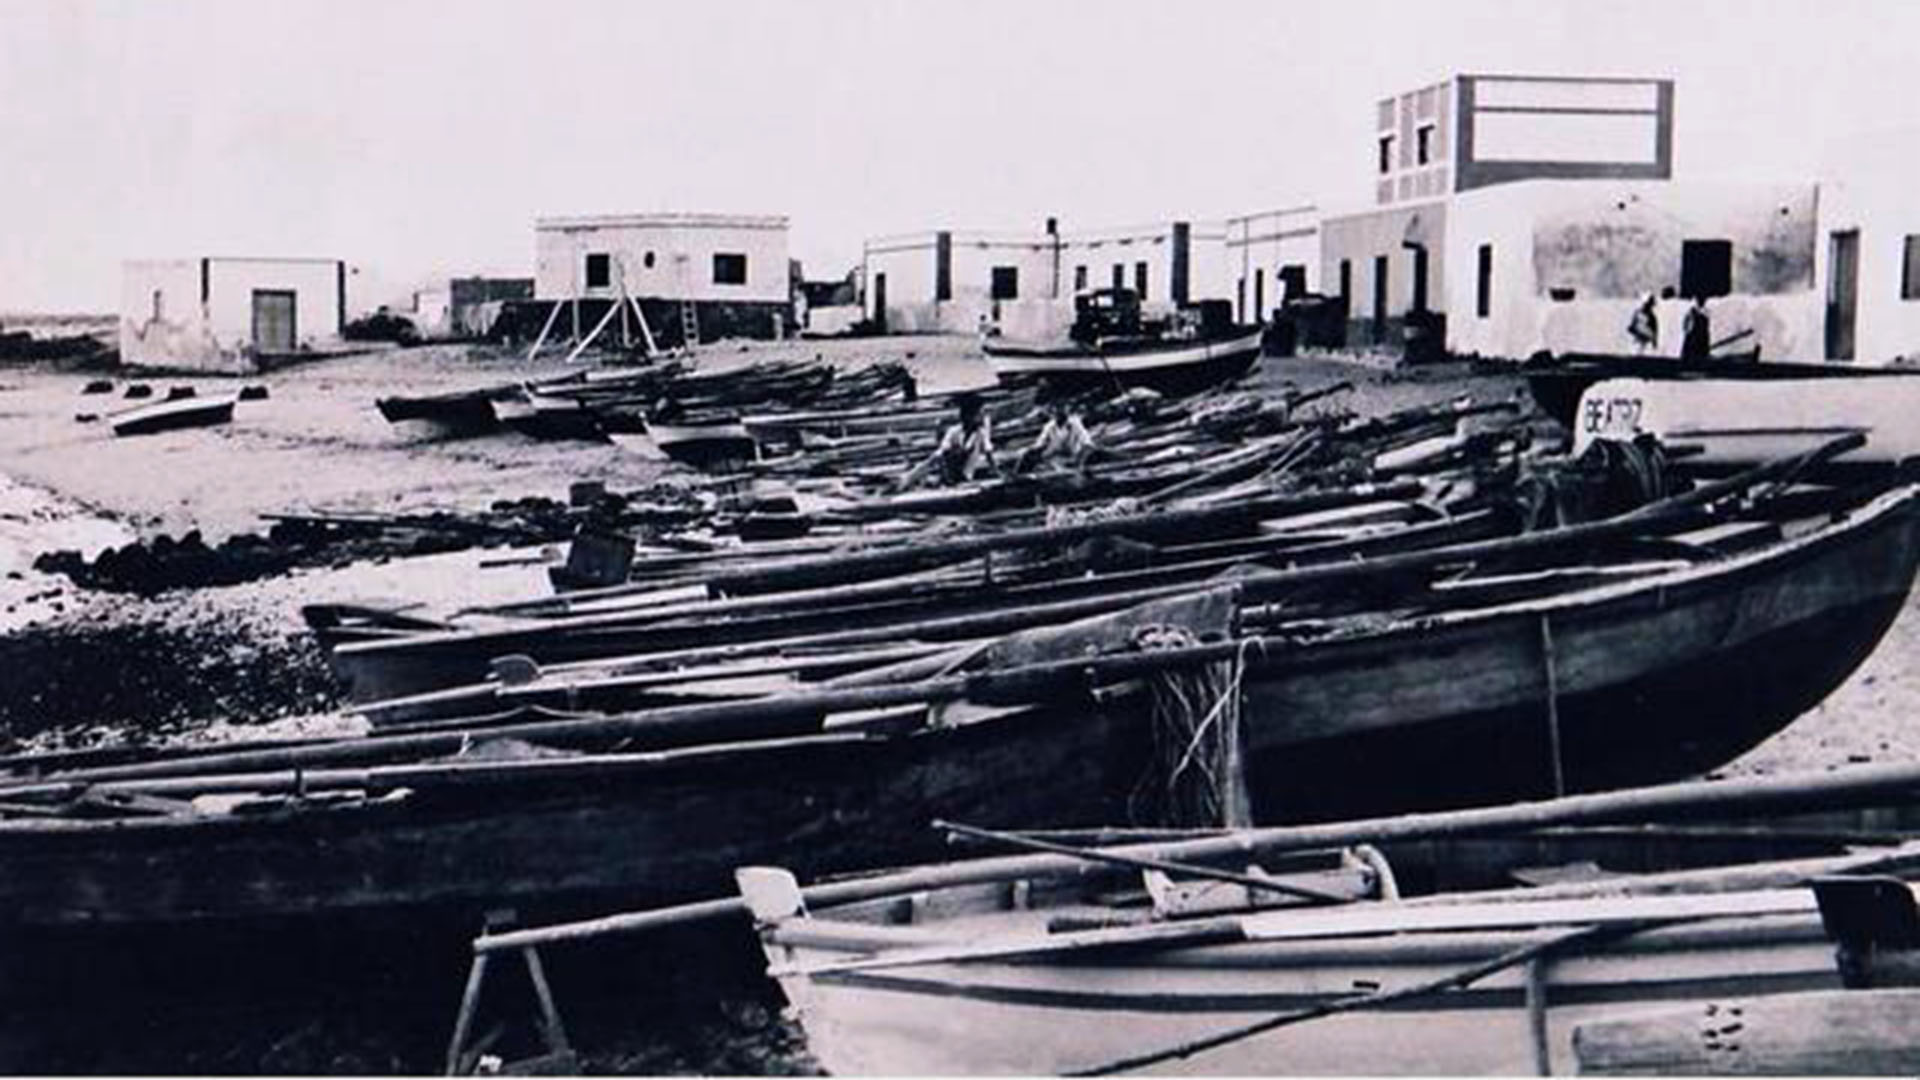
(1737, 423)
(1047, 1018)
(1652, 682)
(1178, 369)
(555, 836)
(174, 415)
(1557, 386)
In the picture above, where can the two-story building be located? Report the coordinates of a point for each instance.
(727, 273)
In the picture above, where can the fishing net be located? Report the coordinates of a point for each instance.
(1193, 777)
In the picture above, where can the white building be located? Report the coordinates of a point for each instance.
(1274, 256)
(1560, 265)
(950, 281)
(228, 314)
(1868, 254)
(732, 268)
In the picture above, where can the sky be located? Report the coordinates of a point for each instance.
(419, 140)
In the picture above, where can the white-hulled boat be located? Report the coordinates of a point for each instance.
(181, 412)
(1050, 977)
(1167, 364)
(1743, 421)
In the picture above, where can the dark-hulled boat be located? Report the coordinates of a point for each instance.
(175, 413)
(1666, 672)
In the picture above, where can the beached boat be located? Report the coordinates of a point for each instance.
(1557, 383)
(547, 416)
(1553, 664)
(700, 443)
(174, 413)
(1096, 974)
(1737, 422)
(1167, 365)
(1645, 678)
(458, 412)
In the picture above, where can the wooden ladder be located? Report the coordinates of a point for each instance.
(689, 324)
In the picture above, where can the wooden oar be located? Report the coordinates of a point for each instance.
(1865, 785)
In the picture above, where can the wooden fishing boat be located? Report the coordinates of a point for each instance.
(1690, 644)
(698, 443)
(458, 412)
(1644, 679)
(547, 416)
(174, 413)
(1043, 977)
(1557, 383)
(1168, 365)
(1735, 422)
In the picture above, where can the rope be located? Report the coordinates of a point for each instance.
(1195, 722)
(1459, 979)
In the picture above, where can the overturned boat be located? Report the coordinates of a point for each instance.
(185, 411)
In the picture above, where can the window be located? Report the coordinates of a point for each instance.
(1386, 154)
(1483, 290)
(1080, 279)
(1910, 270)
(647, 260)
(1423, 144)
(1006, 283)
(599, 270)
(729, 269)
(1140, 279)
(1293, 282)
(1706, 268)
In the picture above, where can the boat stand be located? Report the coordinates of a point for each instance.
(463, 1059)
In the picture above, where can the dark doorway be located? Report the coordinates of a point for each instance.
(880, 302)
(1140, 279)
(1420, 279)
(1259, 295)
(1483, 289)
(1379, 299)
(273, 321)
(1843, 292)
(1706, 268)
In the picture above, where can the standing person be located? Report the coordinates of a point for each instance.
(965, 452)
(1696, 341)
(1644, 328)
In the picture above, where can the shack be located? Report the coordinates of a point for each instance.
(229, 314)
(695, 277)
(1868, 272)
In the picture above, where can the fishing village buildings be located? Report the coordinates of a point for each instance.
(228, 314)
(706, 276)
(1508, 215)
(947, 281)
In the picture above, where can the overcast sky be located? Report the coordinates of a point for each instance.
(420, 139)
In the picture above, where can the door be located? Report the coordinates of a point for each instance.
(1420, 279)
(1843, 292)
(880, 302)
(1379, 299)
(273, 326)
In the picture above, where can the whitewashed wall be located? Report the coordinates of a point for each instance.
(1612, 243)
(164, 324)
(681, 260)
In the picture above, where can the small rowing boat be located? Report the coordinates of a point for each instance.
(175, 413)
